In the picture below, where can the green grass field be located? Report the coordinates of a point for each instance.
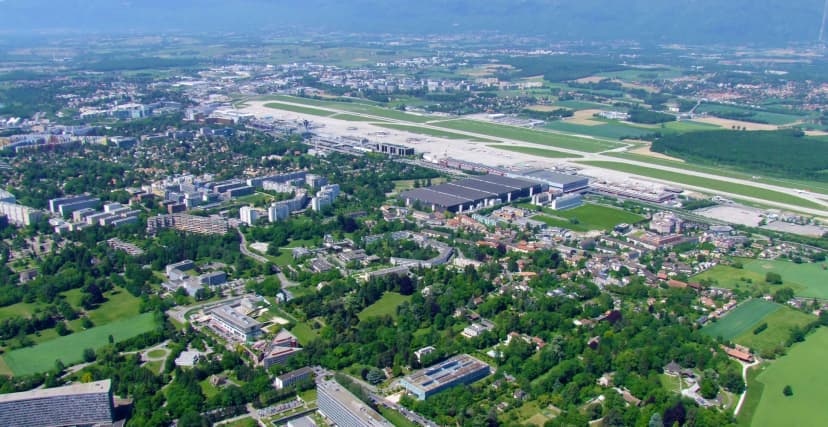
(386, 306)
(725, 276)
(551, 139)
(808, 280)
(432, 132)
(708, 183)
(353, 118)
(304, 333)
(779, 323)
(741, 319)
(801, 369)
(759, 116)
(542, 152)
(69, 349)
(396, 418)
(607, 130)
(589, 217)
(299, 109)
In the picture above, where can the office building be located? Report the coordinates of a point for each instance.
(394, 149)
(292, 377)
(66, 205)
(344, 409)
(81, 404)
(567, 201)
(188, 223)
(559, 181)
(19, 215)
(248, 215)
(234, 324)
(461, 369)
(283, 347)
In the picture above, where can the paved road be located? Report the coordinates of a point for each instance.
(745, 368)
(248, 252)
(600, 156)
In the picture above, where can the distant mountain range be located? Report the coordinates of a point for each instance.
(766, 22)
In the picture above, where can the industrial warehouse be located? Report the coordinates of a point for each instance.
(472, 193)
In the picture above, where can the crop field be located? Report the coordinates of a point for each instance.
(807, 280)
(587, 217)
(69, 349)
(386, 306)
(741, 319)
(529, 135)
(800, 369)
(299, 109)
(779, 323)
(432, 132)
(542, 152)
(708, 183)
(725, 276)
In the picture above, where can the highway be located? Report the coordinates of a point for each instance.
(600, 156)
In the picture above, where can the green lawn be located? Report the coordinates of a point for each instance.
(801, 369)
(588, 217)
(386, 306)
(551, 139)
(119, 305)
(534, 151)
(70, 348)
(741, 319)
(299, 109)
(808, 280)
(780, 323)
(304, 333)
(759, 116)
(725, 276)
(158, 352)
(356, 107)
(708, 183)
(612, 130)
(396, 418)
(432, 132)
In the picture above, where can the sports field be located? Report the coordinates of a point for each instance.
(708, 183)
(542, 152)
(801, 369)
(587, 217)
(386, 306)
(807, 279)
(741, 319)
(299, 109)
(551, 139)
(432, 132)
(69, 349)
(779, 323)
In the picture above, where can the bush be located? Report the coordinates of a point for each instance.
(759, 329)
(787, 391)
(773, 278)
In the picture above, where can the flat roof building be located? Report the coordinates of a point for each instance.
(77, 404)
(234, 324)
(559, 181)
(460, 369)
(188, 223)
(472, 193)
(344, 409)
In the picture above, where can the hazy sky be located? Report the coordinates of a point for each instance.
(702, 21)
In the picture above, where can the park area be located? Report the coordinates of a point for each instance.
(69, 349)
(386, 306)
(809, 280)
(799, 369)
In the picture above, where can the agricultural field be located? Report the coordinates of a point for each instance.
(741, 319)
(432, 132)
(708, 183)
(529, 135)
(779, 323)
(542, 152)
(299, 109)
(587, 217)
(755, 115)
(807, 280)
(386, 306)
(800, 370)
(725, 276)
(69, 349)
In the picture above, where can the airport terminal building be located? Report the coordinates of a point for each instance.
(472, 193)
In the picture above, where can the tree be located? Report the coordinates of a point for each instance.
(88, 355)
(787, 391)
(773, 278)
(375, 376)
(61, 329)
(783, 295)
(656, 421)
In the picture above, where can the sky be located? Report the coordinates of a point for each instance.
(773, 22)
